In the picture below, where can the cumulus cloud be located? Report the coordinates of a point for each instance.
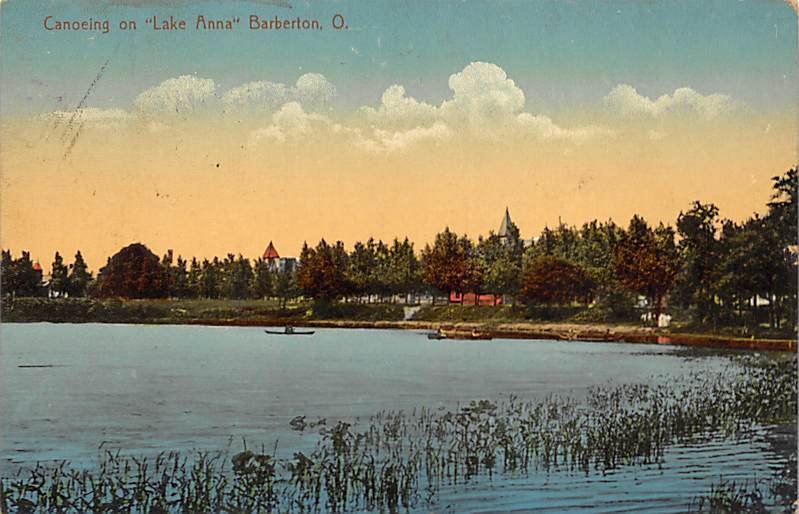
(396, 110)
(292, 123)
(625, 100)
(181, 95)
(312, 90)
(483, 96)
(485, 103)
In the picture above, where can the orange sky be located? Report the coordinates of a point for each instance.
(202, 186)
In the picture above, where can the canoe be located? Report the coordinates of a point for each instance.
(469, 335)
(294, 333)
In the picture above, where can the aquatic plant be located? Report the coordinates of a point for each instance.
(400, 460)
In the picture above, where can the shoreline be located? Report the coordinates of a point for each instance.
(501, 323)
(597, 333)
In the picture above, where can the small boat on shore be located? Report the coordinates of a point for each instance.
(469, 335)
(289, 331)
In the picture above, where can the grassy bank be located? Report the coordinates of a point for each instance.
(510, 322)
(85, 310)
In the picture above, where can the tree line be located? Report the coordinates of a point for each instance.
(720, 271)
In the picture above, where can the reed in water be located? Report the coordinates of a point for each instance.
(401, 460)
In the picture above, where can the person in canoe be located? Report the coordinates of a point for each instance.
(288, 330)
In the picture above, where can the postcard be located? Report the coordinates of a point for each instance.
(378, 256)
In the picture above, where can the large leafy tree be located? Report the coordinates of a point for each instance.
(646, 261)
(363, 268)
(450, 264)
(698, 247)
(322, 271)
(133, 272)
(501, 262)
(402, 270)
(554, 281)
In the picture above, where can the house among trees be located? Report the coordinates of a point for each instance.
(278, 263)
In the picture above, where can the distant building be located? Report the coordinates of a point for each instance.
(278, 263)
(504, 227)
(505, 230)
(475, 299)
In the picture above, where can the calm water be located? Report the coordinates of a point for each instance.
(144, 389)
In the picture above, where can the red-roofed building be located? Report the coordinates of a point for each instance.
(276, 262)
(270, 253)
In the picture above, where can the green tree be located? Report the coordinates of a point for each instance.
(79, 277)
(179, 279)
(403, 271)
(501, 262)
(194, 279)
(209, 278)
(285, 286)
(262, 279)
(59, 279)
(696, 284)
(646, 261)
(363, 268)
(7, 274)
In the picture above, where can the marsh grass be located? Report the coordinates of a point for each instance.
(400, 460)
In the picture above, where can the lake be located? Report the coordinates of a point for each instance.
(72, 391)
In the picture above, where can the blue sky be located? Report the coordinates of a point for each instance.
(561, 53)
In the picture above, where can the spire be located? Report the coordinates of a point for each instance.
(270, 252)
(504, 228)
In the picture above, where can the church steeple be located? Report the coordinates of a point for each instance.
(504, 228)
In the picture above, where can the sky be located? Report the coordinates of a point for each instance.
(412, 117)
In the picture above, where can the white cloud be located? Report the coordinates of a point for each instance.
(181, 95)
(312, 90)
(485, 103)
(396, 110)
(544, 128)
(483, 97)
(392, 141)
(263, 93)
(292, 123)
(625, 100)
